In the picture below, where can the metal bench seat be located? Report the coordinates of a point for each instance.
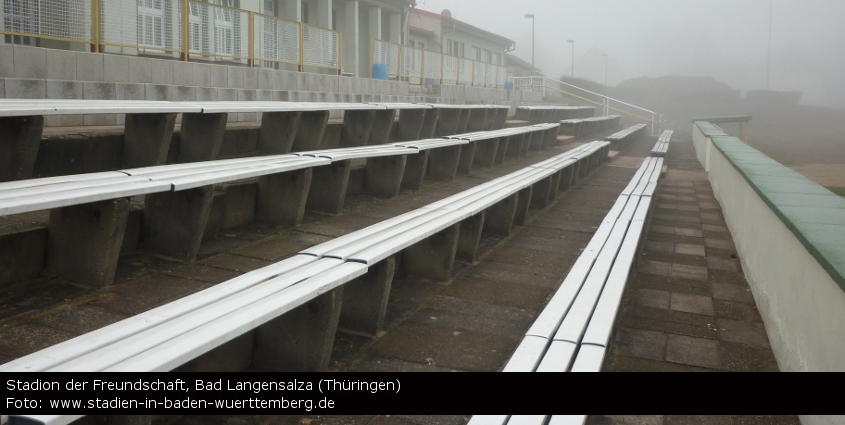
(174, 342)
(527, 420)
(552, 341)
(61, 353)
(359, 152)
(370, 245)
(662, 145)
(619, 135)
(29, 107)
(431, 143)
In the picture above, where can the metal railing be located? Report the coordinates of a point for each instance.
(183, 28)
(419, 66)
(545, 84)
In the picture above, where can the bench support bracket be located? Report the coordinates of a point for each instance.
(277, 132)
(84, 241)
(365, 299)
(300, 340)
(434, 257)
(282, 197)
(19, 141)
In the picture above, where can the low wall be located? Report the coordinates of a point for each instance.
(39, 73)
(790, 236)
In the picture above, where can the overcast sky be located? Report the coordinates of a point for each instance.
(725, 39)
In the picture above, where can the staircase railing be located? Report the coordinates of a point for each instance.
(546, 85)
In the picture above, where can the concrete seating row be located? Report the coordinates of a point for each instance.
(622, 138)
(588, 126)
(89, 212)
(662, 145)
(551, 114)
(573, 330)
(284, 316)
(285, 126)
(527, 420)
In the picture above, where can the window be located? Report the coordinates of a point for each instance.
(150, 23)
(304, 12)
(487, 57)
(21, 16)
(197, 31)
(497, 58)
(454, 48)
(412, 43)
(421, 45)
(475, 53)
(224, 29)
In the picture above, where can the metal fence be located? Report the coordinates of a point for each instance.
(418, 66)
(183, 28)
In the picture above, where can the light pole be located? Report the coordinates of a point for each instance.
(532, 38)
(605, 69)
(769, 57)
(573, 56)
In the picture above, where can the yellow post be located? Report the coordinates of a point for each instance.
(339, 53)
(186, 44)
(458, 76)
(398, 62)
(95, 26)
(372, 56)
(251, 45)
(301, 48)
(473, 74)
(422, 67)
(442, 66)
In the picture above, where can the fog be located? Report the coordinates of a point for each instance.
(724, 39)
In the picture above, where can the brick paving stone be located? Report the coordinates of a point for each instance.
(725, 264)
(659, 246)
(751, 333)
(698, 331)
(693, 351)
(682, 231)
(655, 267)
(651, 298)
(718, 243)
(731, 292)
(736, 311)
(505, 293)
(661, 229)
(692, 304)
(738, 357)
(689, 249)
(626, 420)
(689, 272)
(697, 420)
(640, 343)
(714, 228)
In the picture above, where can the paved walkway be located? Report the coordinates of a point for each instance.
(687, 306)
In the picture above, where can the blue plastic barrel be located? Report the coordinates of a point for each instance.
(380, 71)
(508, 85)
(430, 81)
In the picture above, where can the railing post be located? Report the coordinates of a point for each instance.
(442, 66)
(95, 26)
(398, 62)
(251, 42)
(340, 53)
(186, 7)
(422, 67)
(301, 48)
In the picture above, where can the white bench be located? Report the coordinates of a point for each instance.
(168, 336)
(552, 114)
(662, 145)
(527, 420)
(589, 296)
(623, 138)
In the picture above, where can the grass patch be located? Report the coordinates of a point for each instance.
(836, 189)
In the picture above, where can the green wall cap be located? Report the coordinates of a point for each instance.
(812, 213)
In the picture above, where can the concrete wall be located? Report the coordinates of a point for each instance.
(794, 271)
(38, 73)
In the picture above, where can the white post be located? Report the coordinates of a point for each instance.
(292, 10)
(324, 14)
(351, 35)
(395, 26)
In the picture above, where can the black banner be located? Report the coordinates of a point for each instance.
(417, 393)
